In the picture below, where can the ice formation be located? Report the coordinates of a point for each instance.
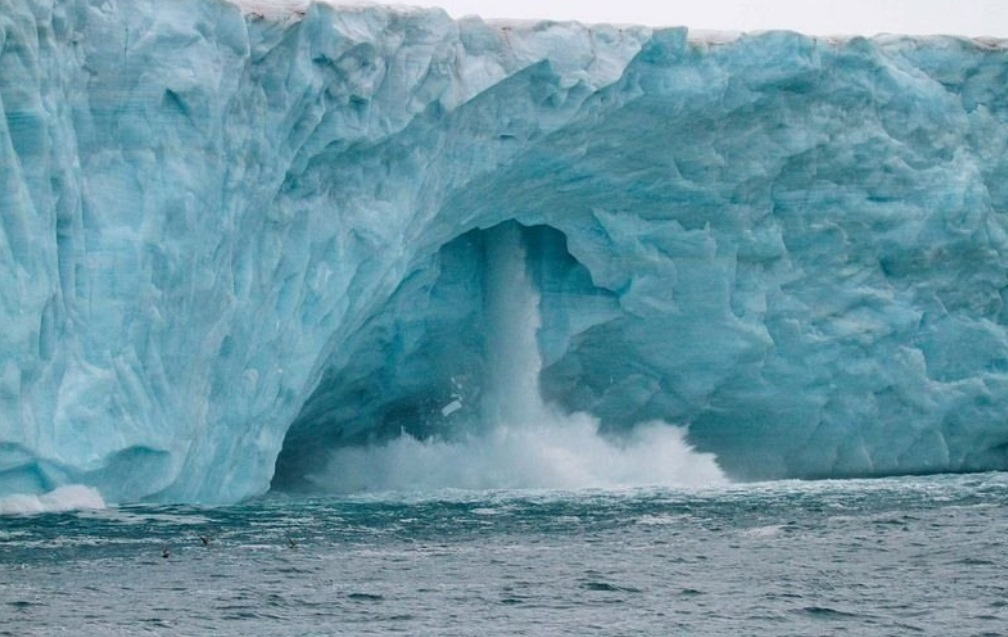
(232, 241)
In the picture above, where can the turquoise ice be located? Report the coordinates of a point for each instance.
(231, 242)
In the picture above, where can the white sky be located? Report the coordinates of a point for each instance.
(821, 17)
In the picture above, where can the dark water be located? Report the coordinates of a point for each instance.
(888, 557)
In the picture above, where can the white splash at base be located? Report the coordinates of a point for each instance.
(71, 497)
(567, 453)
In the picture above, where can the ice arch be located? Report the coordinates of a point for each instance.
(420, 364)
(442, 388)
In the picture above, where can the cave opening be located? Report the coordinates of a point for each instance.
(425, 365)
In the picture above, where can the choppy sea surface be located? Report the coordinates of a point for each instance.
(860, 557)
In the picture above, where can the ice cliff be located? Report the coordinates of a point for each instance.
(230, 242)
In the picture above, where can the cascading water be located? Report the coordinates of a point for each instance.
(518, 441)
(511, 396)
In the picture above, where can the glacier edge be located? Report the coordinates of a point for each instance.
(794, 246)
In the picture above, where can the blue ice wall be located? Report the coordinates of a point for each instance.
(217, 228)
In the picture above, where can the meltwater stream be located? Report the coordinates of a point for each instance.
(900, 556)
(519, 440)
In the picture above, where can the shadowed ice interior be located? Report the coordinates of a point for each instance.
(444, 388)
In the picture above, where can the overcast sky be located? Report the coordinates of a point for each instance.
(823, 17)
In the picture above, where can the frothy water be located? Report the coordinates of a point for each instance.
(67, 498)
(563, 453)
(520, 441)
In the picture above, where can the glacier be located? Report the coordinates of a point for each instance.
(236, 242)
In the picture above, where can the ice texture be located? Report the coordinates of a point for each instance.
(230, 241)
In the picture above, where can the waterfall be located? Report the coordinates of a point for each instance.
(511, 306)
(519, 441)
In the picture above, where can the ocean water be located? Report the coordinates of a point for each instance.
(922, 555)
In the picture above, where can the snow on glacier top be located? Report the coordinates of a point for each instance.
(970, 18)
(984, 33)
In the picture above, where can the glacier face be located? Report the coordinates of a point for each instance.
(230, 242)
